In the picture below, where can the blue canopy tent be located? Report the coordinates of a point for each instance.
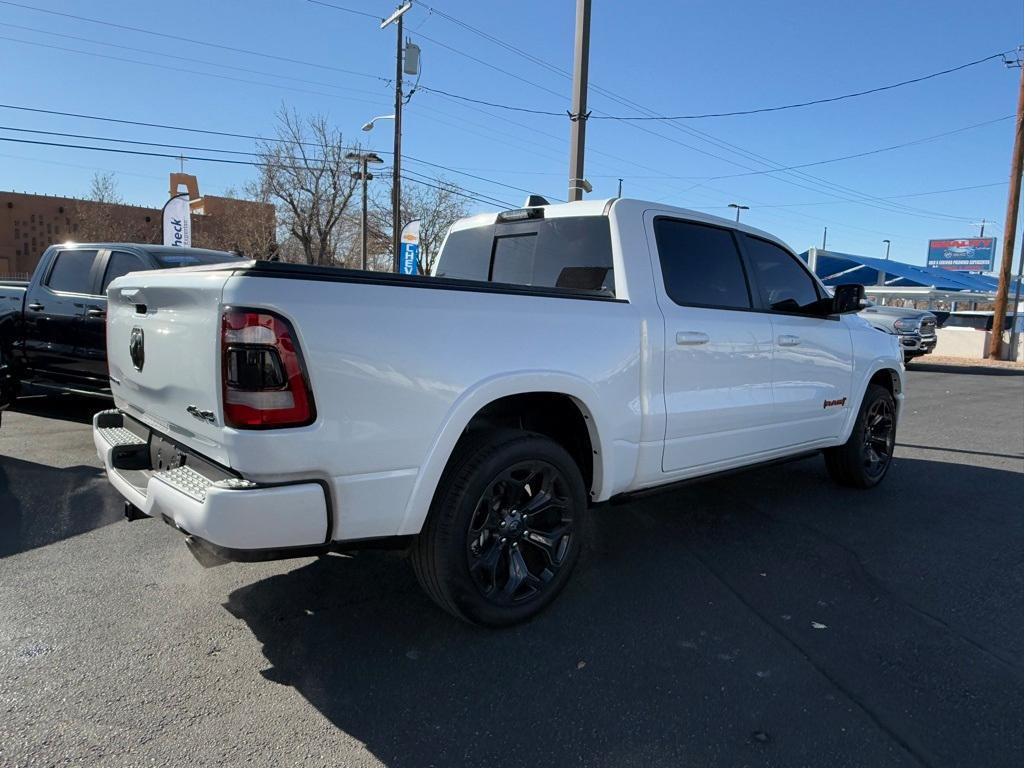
(835, 268)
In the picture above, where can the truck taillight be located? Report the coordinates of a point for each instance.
(263, 377)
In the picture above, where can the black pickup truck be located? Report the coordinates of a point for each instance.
(53, 327)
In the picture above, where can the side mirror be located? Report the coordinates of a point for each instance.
(848, 298)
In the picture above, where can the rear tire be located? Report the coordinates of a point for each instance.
(504, 531)
(864, 460)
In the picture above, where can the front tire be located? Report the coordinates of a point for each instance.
(864, 460)
(504, 531)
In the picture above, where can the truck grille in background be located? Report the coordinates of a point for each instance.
(928, 327)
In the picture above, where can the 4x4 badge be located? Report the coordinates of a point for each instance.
(137, 348)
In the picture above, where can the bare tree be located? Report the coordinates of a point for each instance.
(103, 188)
(437, 207)
(103, 217)
(248, 227)
(305, 173)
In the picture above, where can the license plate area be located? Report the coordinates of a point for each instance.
(164, 453)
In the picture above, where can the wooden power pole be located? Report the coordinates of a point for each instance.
(1010, 227)
(578, 118)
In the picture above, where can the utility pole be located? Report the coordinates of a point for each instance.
(396, 165)
(824, 239)
(364, 159)
(578, 116)
(982, 233)
(1010, 227)
(620, 188)
(1015, 328)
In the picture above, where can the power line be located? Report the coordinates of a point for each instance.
(164, 126)
(700, 116)
(813, 102)
(955, 189)
(482, 62)
(179, 38)
(455, 190)
(871, 151)
(275, 85)
(495, 104)
(867, 199)
(461, 192)
(158, 65)
(191, 59)
(855, 155)
(347, 10)
(890, 197)
(479, 196)
(228, 134)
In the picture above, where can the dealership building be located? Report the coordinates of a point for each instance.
(30, 223)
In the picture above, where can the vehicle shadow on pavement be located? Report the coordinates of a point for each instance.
(973, 370)
(40, 504)
(765, 618)
(64, 407)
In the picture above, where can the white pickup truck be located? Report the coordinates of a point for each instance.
(560, 356)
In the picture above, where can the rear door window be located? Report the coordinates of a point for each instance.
(701, 265)
(569, 253)
(119, 265)
(72, 272)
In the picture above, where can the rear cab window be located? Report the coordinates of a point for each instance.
(170, 258)
(573, 254)
(71, 272)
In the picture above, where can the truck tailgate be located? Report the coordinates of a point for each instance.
(163, 332)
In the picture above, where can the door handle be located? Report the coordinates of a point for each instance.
(35, 306)
(691, 338)
(788, 340)
(95, 312)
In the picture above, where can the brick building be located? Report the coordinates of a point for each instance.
(29, 223)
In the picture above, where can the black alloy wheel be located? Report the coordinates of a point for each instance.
(520, 532)
(879, 437)
(505, 529)
(865, 458)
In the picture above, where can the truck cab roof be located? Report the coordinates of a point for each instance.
(620, 206)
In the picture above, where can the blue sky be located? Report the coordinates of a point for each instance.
(670, 57)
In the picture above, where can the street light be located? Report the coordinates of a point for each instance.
(363, 158)
(583, 184)
(739, 208)
(887, 244)
(369, 125)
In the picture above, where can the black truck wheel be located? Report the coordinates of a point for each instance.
(865, 458)
(504, 531)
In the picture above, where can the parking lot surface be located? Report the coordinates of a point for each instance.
(767, 618)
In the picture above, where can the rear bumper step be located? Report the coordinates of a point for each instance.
(227, 514)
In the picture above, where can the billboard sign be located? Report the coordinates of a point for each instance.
(409, 259)
(969, 254)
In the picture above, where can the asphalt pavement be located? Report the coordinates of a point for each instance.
(765, 619)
